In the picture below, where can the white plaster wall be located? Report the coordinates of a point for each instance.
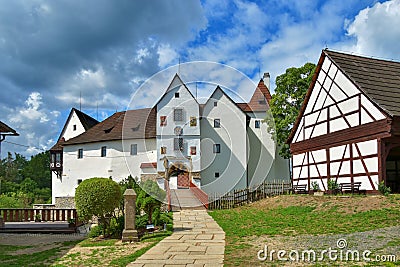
(231, 163)
(190, 134)
(69, 130)
(118, 163)
(264, 161)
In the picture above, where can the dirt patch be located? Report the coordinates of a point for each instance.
(36, 239)
(345, 204)
(99, 255)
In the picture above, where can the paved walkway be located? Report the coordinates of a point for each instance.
(197, 241)
(184, 199)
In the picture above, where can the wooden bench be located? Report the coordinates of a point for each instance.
(300, 189)
(352, 187)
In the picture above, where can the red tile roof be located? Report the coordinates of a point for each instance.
(260, 99)
(148, 165)
(131, 124)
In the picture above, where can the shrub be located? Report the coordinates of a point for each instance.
(333, 185)
(117, 226)
(97, 197)
(96, 231)
(141, 221)
(315, 186)
(385, 190)
(150, 198)
(10, 201)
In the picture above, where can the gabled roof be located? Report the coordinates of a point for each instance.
(378, 79)
(7, 130)
(176, 81)
(87, 121)
(260, 99)
(230, 99)
(131, 124)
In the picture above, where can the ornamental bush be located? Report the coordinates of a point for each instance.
(97, 197)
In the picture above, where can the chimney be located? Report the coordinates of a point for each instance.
(267, 80)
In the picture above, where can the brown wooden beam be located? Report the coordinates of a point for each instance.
(365, 132)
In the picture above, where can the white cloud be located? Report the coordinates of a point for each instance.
(35, 124)
(376, 30)
(166, 55)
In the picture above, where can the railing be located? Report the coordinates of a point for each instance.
(240, 197)
(200, 194)
(49, 215)
(168, 190)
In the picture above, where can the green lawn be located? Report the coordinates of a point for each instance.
(292, 216)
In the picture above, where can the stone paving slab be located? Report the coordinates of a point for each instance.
(197, 240)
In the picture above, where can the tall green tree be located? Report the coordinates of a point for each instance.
(291, 88)
(38, 169)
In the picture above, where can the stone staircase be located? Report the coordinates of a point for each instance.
(183, 199)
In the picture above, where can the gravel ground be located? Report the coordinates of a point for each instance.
(36, 239)
(384, 241)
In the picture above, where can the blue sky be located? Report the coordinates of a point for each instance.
(53, 51)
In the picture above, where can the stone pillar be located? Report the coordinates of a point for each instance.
(130, 233)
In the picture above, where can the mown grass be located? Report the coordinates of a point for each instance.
(247, 221)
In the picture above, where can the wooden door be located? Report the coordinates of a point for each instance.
(183, 180)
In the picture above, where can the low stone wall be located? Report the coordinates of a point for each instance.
(149, 176)
(64, 203)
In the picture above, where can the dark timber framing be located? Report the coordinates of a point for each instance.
(379, 83)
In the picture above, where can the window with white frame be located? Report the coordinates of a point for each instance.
(257, 123)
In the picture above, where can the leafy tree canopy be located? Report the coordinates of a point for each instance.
(149, 198)
(97, 197)
(291, 88)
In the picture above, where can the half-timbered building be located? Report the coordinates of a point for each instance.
(348, 128)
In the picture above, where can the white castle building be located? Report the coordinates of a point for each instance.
(219, 145)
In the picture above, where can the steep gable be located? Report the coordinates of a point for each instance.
(336, 101)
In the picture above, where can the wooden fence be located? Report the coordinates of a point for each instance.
(50, 215)
(239, 197)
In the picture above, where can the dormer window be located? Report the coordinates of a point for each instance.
(177, 95)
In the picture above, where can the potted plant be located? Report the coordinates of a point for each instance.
(71, 222)
(333, 187)
(315, 189)
(38, 217)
